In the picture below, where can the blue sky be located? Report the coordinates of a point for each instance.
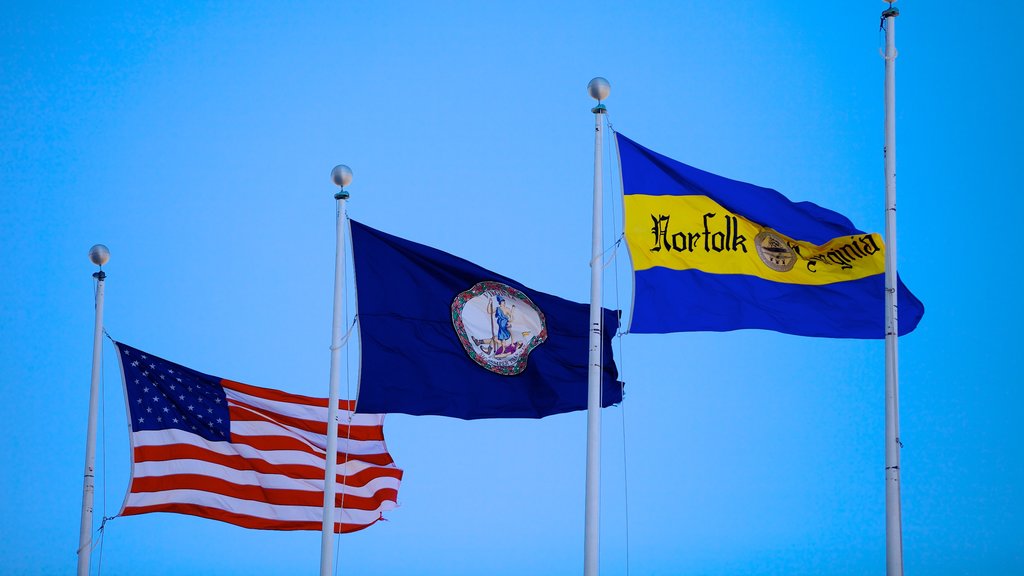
(196, 139)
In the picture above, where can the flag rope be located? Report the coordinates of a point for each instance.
(99, 541)
(622, 406)
(344, 341)
(103, 456)
(606, 263)
(348, 426)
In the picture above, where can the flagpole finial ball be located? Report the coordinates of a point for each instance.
(341, 175)
(99, 254)
(599, 88)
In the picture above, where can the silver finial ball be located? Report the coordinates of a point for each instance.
(599, 88)
(341, 175)
(99, 254)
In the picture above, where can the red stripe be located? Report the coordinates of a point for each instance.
(278, 496)
(237, 462)
(286, 443)
(240, 519)
(242, 412)
(277, 395)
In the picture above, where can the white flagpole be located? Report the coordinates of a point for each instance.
(341, 175)
(893, 523)
(98, 255)
(598, 89)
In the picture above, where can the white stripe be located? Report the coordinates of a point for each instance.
(176, 436)
(318, 441)
(251, 478)
(304, 411)
(257, 509)
(282, 457)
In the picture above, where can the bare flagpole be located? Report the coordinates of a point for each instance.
(598, 89)
(893, 522)
(98, 255)
(341, 175)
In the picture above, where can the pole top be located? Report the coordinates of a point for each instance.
(891, 10)
(99, 255)
(341, 175)
(599, 88)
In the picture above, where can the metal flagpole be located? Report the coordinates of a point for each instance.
(98, 255)
(598, 89)
(341, 175)
(893, 528)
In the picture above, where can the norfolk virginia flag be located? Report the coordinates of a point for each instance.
(440, 335)
(250, 456)
(710, 253)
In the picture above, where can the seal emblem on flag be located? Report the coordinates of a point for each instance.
(498, 326)
(774, 251)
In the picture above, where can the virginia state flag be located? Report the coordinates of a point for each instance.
(440, 335)
(710, 253)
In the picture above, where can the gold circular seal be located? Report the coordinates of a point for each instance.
(774, 251)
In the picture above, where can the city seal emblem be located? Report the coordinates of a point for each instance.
(775, 251)
(498, 326)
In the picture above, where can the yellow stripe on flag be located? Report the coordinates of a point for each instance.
(695, 232)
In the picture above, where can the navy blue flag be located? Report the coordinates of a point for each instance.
(440, 335)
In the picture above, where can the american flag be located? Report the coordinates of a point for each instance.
(250, 456)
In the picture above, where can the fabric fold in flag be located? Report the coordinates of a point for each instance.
(440, 335)
(253, 457)
(714, 254)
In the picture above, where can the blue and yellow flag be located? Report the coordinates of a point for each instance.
(710, 253)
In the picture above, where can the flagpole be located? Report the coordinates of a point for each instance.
(341, 175)
(893, 522)
(98, 255)
(598, 89)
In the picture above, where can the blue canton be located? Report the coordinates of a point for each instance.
(163, 395)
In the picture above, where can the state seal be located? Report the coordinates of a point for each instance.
(498, 326)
